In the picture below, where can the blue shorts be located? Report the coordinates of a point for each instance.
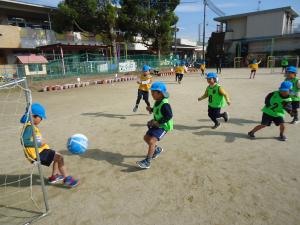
(158, 133)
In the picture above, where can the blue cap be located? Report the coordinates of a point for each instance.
(211, 75)
(285, 86)
(182, 63)
(291, 69)
(254, 61)
(38, 110)
(146, 68)
(161, 87)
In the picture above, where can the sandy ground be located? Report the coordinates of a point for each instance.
(204, 176)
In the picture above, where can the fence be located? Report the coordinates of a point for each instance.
(85, 65)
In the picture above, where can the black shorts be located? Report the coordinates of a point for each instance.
(267, 120)
(214, 112)
(295, 104)
(47, 157)
(143, 94)
(253, 71)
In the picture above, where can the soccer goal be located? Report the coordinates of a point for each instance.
(274, 62)
(23, 197)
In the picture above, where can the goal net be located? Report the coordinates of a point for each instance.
(274, 62)
(22, 192)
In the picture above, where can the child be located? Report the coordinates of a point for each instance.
(276, 103)
(284, 64)
(177, 72)
(217, 99)
(47, 155)
(254, 66)
(291, 75)
(219, 64)
(202, 67)
(161, 124)
(183, 70)
(143, 91)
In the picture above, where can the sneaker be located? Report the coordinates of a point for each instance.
(158, 151)
(135, 108)
(295, 121)
(282, 137)
(144, 164)
(55, 178)
(70, 182)
(251, 135)
(216, 126)
(226, 116)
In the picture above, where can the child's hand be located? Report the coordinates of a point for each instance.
(199, 99)
(138, 82)
(229, 103)
(152, 123)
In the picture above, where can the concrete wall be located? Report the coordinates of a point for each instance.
(17, 37)
(263, 25)
(10, 37)
(280, 44)
(237, 28)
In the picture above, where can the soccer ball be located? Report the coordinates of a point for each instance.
(77, 144)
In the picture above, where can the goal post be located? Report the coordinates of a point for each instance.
(23, 195)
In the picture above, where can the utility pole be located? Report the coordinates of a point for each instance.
(175, 39)
(204, 22)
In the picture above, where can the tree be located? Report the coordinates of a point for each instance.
(89, 16)
(152, 20)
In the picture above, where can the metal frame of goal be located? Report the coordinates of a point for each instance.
(274, 62)
(21, 85)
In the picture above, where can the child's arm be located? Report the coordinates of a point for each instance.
(166, 111)
(225, 94)
(203, 96)
(268, 98)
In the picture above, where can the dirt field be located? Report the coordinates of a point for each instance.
(204, 176)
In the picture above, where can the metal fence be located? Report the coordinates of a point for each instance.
(85, 65)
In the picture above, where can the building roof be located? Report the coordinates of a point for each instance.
(287, 9)
(70, 47)
(24, 6)
(32, 58)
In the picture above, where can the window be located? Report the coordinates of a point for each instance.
(35, 67)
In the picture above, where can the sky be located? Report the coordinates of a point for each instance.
(190, 12)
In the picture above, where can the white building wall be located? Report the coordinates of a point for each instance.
(236, 28)
(263, 25)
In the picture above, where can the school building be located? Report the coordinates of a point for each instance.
(265, 32)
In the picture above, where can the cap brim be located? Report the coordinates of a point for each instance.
(166, 94)
(284, 89)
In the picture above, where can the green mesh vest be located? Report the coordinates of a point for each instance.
(295, 89)
(168, 126)
(215, 100)
(276, 108)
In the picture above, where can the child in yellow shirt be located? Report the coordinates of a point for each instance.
(254, 66)
(145, 84)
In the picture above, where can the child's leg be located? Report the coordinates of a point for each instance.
(58, 162)
(254, 73)
(212, 115)
(281, 129)
(257, 128)
(151, 141)
(146, 98)
(295, 106)
(139, 97)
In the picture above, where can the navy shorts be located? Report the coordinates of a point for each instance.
(47, 157)
(267, 120)
(295, 105)
(156, 132)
